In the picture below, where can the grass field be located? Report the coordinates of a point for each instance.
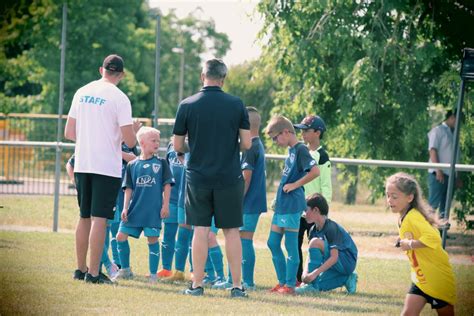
(36, 268)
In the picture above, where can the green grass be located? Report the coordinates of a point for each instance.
(36, 269)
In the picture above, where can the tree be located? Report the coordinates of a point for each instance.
(370, 69)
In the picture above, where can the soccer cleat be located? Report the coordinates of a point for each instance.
(276, 288)
(124, 274)
(207, 281)
(298, 283)
(178, 276)
(100, 279)
(351, 283)
(306, 288)
(222, 285)
(164, 273)
(250, 288)
(152, 278)
(286, 290)
(194, 291)
(79, 275)
(112, 270)
(238, 292)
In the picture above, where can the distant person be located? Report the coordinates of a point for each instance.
(431, 273)
(440, 147)
(100, 115)
(217, 126)
(300, 168)
(332, 254)
(147, 185)
(313, 129)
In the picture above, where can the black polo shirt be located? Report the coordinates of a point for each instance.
(212, 118)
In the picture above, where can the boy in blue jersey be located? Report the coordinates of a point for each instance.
(255, 196)
(147, 184)
(185, 233)
(176, 162)
(300, 168)
(332, 253)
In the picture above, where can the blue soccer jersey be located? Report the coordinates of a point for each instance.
(337, 238)
(146, 178)
(120, 196)
(177, 169)
(182, 189)
(297, 164)
(255, 200)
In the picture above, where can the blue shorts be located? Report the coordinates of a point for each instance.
(173, 217)
(345, 263)
(136, 231)
(288, 221)
(181, 216)
(250, 222)
(214, 229)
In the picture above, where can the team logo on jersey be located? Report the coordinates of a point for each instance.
(312, 163)
(146, 166)
(292, 158)
(156, 167)
(145, 181)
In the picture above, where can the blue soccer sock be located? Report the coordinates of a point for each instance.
(113, 242)
(153, 257)
(315, 259)
(215, 253)
(182, 248)
(105, 260)
(278, 258)
(293, 260)
(124, 253)
(168, 244)
(191, 250)
(209, 269)
(248, 261)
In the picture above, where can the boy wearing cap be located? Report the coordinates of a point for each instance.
(300, 168)
(332, 252)
(313, 128)
(100, 115)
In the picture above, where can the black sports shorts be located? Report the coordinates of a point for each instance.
(97, 194)
(225, 204)
(434, 302)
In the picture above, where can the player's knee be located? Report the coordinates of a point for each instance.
(317, 243)
(152, 240)
(121, 236)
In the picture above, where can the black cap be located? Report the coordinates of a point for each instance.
(312, 121)
(113, 63)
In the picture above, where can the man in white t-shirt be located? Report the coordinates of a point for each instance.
(440, 147)
(99, 119)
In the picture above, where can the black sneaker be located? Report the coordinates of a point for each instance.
(238, 292)
(100, 279)
(194, 291)
(79, 275)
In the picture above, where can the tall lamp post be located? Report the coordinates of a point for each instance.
(180, 50)
(467, 75)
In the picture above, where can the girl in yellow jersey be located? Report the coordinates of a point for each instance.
(431, 273)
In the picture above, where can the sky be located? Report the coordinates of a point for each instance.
(236, 18)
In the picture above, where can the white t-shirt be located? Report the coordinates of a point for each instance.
(441, 139)
(100, 109)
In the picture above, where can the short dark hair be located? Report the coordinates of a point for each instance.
(317, 200)
(450, 113)
(252, 109)
(214, 69)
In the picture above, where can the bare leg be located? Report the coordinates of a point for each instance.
(233, 249)
(413, 305)
(199, 252)
(82, 242)
(446, 311)
(96, 243)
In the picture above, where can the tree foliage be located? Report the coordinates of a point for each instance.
(30, 54)
(380, 73)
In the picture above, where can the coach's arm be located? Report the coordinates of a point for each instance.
(70, 129)
(179, 144)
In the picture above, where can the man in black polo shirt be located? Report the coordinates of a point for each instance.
(217, 126)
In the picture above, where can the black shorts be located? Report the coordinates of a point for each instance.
(434, 302)
(225, 204)
(97, 194)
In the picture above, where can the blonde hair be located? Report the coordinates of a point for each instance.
(278, 124)
(145, 130)
(407, 184)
